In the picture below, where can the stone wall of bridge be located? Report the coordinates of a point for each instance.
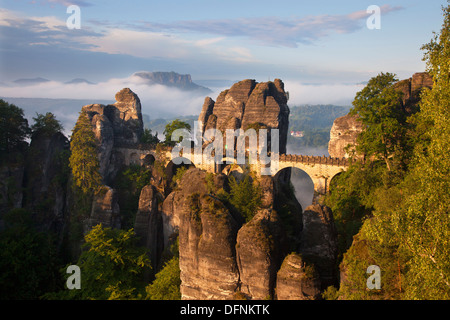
(320, 169)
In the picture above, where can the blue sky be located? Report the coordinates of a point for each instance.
(323, 42)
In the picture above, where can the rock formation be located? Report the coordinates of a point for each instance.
(296, 280)
(148, 223)
(105, 210)
(207, 250)
(175, 204)
(259, 250)
(47, 180)
(345, 129)
(411, 89)
(220, 256)
(248, 104)
(11, 187)
(319, 245)
(115, 126)
(344, 132)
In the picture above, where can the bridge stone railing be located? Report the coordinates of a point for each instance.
(314, 160)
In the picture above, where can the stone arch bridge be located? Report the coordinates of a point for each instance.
(320, 169)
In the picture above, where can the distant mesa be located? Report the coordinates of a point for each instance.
(78, 81)
(30, 81)
(172, 79)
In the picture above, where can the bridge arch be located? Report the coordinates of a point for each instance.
(320, 169)
(148, 160)
(301, 182)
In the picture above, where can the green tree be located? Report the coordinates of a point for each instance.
(171, 127)
(46, 124)
(112, 266)
(148, 138)
(424, 222)
(408, 234)
(166, 286)
(352, 198)
(13, 128)
(129, 183)
(28, 261)
(245, 196)
(84, 159)
(379, 109)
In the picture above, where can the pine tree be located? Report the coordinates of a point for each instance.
(84, 159)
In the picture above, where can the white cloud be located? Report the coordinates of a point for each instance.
(273, 31)
(146, 44)
(155, 99)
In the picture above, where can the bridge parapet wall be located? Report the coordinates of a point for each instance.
(314, 160)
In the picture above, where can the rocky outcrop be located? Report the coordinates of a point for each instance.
(411, 89)
(248, 104)
(117, 125)
(11, 187)
(46, 179)
(346, 129)
(105, 210)
(148, 223)
(207, 250)
(319, 246)
(296, 280)
(175, 205)
(344, 132)
(259, 250)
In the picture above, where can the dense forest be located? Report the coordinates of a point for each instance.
(393, 209)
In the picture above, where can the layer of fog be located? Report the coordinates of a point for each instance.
(157, 101)
(335, 94)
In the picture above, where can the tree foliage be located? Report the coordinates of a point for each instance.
(129, 183)
(27, 258)
(245, 196)
(112, 266)
(424, 223)
(379, 109)
(149, 138)
(171, 127)
(166, 286)
(14, 128)
(406, 231)
(84, 159)
(46, 125)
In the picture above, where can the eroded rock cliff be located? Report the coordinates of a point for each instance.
(296, 280)
(117, 125)
(207, 250)
(249, 104)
